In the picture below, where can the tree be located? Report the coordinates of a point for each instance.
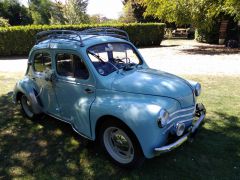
(41, 11)
(98, 18)
(75, 11)
(128, 13)
(134, 10)
(200, 13)
(57, 13)
(15, 13)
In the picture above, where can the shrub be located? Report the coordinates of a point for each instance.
(18, 40)
(209, 36)
(3, 22)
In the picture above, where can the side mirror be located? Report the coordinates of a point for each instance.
(49, 75)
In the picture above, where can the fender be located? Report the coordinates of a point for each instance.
(29, 89)
(138, 112)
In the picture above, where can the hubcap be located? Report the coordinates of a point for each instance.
(118, 145)
(26, 104)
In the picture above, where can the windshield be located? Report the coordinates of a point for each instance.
(110, 57)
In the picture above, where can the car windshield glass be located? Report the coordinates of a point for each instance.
(110, 57)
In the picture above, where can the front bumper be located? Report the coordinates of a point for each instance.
(201, 113)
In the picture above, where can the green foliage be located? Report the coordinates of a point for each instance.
(57, 13)
(200, 13)
(15, 13)
(128, 15)
(19, 40)
(75, 11)
(3, 22)
(40, 11)
(211, 36)
(134, 12)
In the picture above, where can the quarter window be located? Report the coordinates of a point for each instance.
(42, 61)
(71, 65)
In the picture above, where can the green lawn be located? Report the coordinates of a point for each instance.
(50, 149)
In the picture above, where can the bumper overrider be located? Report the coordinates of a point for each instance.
(200, 113)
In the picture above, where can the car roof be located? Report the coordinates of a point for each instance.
(74, 43)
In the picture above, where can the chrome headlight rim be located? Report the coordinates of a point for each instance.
(198, 89)
(163, 118)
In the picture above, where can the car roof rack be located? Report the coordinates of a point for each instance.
(106, 31)
(72, 35)
(63, 34)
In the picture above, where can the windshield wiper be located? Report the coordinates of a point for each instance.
(101, 60)
(96, 56)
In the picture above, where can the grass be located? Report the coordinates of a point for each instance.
(49, 149)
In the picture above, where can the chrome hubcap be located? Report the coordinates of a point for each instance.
(26, 104)
(118, 145)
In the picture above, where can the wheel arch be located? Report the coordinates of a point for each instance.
(106, 118)
(26, 88)
(18, 95)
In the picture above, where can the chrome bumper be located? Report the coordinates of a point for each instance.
(200, 112)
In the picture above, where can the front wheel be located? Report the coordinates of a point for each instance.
(27, 108)
(121, 144)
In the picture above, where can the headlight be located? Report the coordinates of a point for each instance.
(163, 118)
(197, 89)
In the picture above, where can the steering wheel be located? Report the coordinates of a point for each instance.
(117, 60)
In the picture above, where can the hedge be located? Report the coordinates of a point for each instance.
(18, 40)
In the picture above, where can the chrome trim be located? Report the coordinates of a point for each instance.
(183, 121)
(168, 128)
(172, 146)
(72, 125)
(183, 139)
(185, 115)
(182, 110)
(74, 82)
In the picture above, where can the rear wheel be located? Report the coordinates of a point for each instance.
(121, 144)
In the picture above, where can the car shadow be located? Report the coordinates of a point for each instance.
(47, 148)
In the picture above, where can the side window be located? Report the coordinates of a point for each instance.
(71, 65)
(42, 61)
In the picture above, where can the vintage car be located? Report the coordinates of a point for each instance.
(97, 81)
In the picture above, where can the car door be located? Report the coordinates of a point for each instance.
(75, 90)
(42, 63)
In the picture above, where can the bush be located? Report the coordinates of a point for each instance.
(3, 22)
(208, 36)
(18, 40)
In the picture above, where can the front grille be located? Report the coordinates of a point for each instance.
(183, 115)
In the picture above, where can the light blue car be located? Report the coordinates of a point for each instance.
(97, 81)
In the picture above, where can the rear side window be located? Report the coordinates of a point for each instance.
(71, 65)
(42, 61)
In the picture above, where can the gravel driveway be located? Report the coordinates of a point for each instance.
(174, 56)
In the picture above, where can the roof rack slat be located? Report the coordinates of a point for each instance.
(66, 34)
(44, 35)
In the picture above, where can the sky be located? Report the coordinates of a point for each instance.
(110, 8)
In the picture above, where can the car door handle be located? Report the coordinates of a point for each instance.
(89, 91)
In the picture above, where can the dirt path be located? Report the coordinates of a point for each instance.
(174, 56)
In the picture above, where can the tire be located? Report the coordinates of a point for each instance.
(120, 143)
(26, 108)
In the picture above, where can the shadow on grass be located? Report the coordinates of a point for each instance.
(48, 148)
(211, 50)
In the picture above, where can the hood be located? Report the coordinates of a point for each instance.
(153, 82)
